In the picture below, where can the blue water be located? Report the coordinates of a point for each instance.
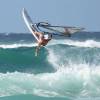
(66, 69)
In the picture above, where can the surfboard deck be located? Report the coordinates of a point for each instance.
(29, 23)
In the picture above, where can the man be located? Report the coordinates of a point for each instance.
(42, 40)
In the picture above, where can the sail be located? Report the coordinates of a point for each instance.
(60, 30)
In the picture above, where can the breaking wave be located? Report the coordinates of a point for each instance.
(70, 82)
(87, 43)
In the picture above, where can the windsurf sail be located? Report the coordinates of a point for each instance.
(58, 30)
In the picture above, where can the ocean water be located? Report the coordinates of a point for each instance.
(66, 69)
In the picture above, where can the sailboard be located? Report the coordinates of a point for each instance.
(47, 28)
(29, 23)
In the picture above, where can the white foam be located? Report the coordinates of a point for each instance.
(9, 46)
(86, 43)
(52, 58)
(73, 81)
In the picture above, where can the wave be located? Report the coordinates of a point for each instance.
(64, 68)
(76, 71)
(87, 43)
(66, 82)
(49, 58)
(9, 46)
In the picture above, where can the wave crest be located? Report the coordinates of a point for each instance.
(9, 46)
(87, 43)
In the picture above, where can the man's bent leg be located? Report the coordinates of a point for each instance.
(37, 50)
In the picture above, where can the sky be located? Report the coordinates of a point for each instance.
(79, 13)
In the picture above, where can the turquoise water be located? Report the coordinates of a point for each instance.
(66, 69)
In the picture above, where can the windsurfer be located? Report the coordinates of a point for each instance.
(42, 40)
